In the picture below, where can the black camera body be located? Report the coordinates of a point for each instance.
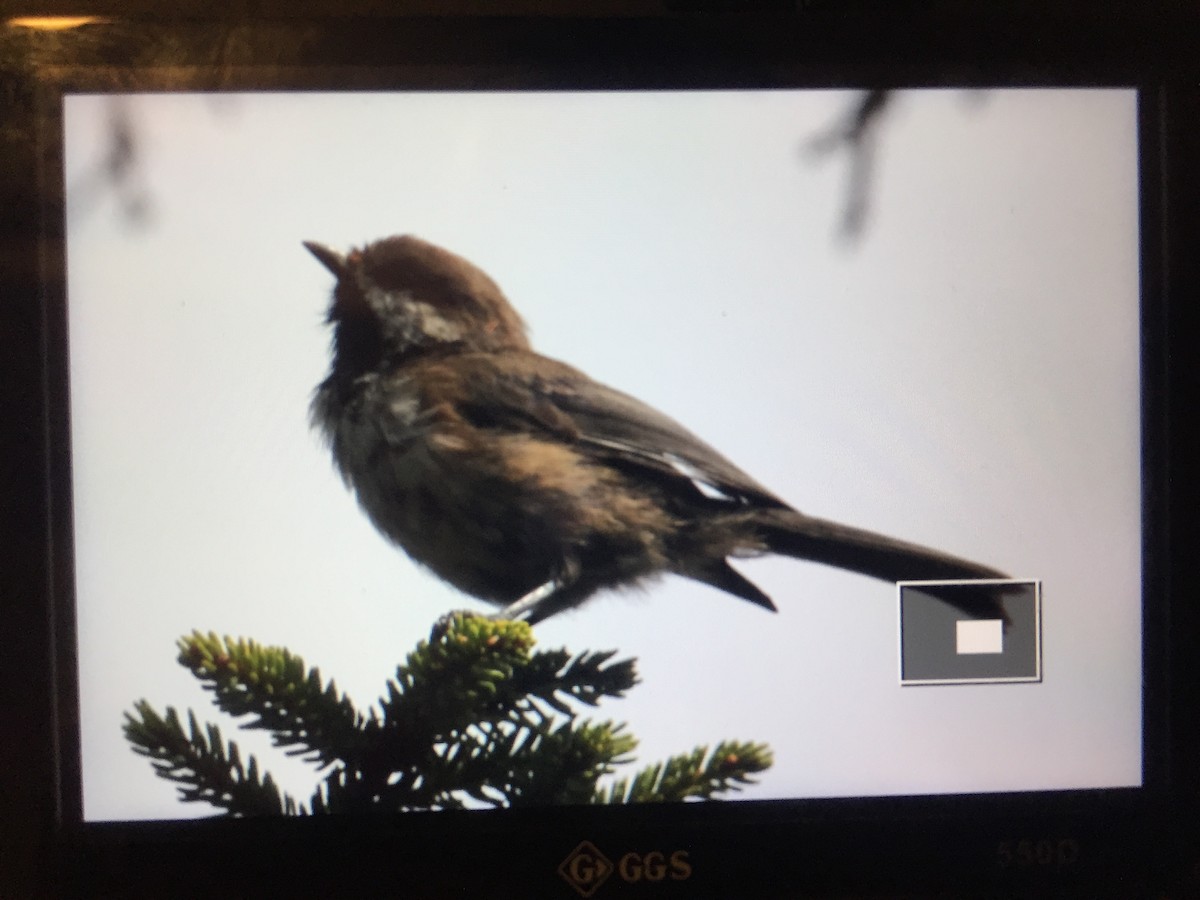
(929, 273)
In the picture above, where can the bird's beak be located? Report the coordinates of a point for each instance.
(330, 259)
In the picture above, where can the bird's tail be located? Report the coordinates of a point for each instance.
(819, 540)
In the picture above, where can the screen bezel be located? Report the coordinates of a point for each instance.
(847, 828)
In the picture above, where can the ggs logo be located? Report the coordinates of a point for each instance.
(586, 868)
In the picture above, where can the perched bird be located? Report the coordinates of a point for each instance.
(519, 479)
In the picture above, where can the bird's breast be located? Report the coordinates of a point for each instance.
(428, 483)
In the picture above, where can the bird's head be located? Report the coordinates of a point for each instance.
(401, 296)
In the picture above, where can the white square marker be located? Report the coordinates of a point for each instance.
(979, 636)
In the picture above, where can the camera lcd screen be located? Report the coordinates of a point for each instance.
(928, 328)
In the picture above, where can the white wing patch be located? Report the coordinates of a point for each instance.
(700, 481)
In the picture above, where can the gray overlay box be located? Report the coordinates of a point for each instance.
(929, 615)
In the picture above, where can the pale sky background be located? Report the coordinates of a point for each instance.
(965, 377)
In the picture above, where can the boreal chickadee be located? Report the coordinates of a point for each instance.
(522, 481)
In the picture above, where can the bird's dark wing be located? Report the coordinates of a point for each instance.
(527, 394)
(520, 392)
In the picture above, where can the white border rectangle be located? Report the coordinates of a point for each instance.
(1037, 601)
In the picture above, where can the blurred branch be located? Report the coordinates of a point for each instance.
(116, 169)
(856, 135)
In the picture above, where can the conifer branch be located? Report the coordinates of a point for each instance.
(586, 678)
(472, 718)
(698, 775)
(284, 696)
(205, 766)
(456, 676)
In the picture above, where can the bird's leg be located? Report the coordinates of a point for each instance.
(546, 599)
(530, 602)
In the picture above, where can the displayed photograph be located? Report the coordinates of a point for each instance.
(464, 450)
